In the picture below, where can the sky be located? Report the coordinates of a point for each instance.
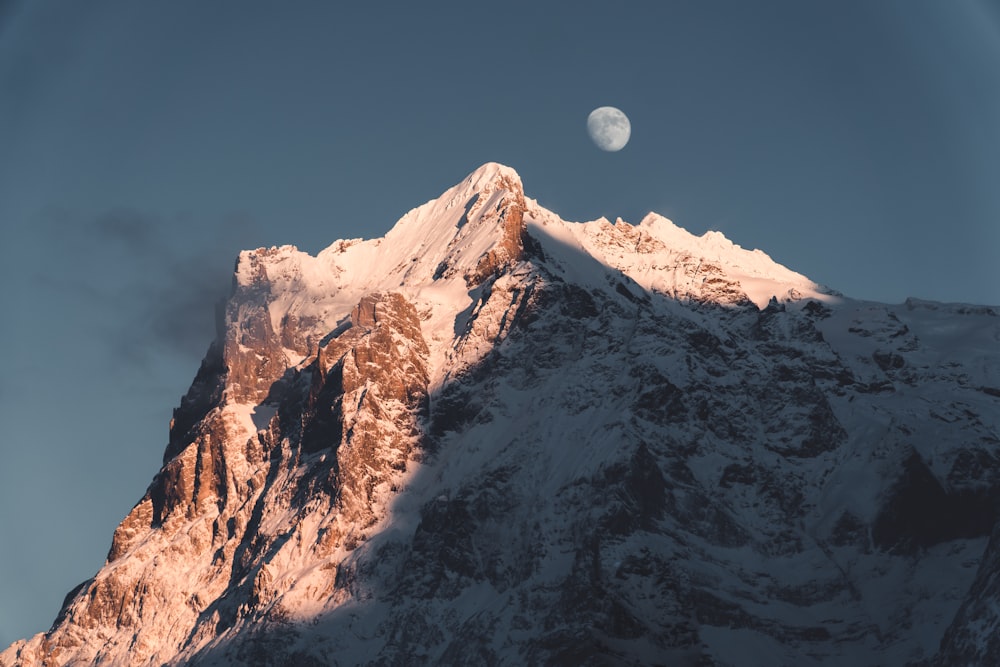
(142, 145)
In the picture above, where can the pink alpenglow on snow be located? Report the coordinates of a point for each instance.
(497, 437)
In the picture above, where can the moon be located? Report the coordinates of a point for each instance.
(609, 128)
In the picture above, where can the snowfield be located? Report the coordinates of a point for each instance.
(497, 437)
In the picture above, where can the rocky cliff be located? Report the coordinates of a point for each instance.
(496, 437)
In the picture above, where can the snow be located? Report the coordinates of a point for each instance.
(566, 407)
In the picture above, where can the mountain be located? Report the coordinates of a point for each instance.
(496, 437)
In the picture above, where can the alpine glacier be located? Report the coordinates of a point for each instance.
(496, 437)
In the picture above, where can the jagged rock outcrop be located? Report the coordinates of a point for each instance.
(495, 437)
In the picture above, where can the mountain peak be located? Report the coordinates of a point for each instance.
(484, 225)
(493, 174)
(494, 436)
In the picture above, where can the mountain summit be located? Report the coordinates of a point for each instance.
(496, 437)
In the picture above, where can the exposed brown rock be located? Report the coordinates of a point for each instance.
(628, 237)
(510, 247)
(607, 475)
(381, 362)
(134, 525)
(297, 333)
(252, 354)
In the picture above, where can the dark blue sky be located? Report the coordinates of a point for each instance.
(143, 144)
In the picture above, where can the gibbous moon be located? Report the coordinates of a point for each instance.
(609, 128)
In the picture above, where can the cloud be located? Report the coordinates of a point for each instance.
(181, 315)
(136, 231)
(148, 285)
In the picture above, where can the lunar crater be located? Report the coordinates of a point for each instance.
(609, 128)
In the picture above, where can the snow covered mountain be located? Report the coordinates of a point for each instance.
(496, 437)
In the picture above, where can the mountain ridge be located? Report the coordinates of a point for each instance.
(495, 436)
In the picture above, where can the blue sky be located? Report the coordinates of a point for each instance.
(143, 144)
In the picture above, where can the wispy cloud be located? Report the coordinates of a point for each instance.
(135, 231)
(150, 292)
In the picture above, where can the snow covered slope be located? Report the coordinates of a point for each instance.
(496, 437)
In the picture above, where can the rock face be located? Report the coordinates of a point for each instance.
(495, 437)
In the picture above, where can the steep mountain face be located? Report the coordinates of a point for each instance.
(495, 437)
